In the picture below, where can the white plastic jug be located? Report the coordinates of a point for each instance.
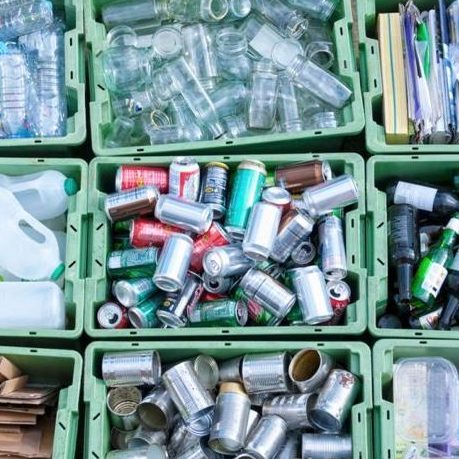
(44, 195)
(26, 257)
(31, 305)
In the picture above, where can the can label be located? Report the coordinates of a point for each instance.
(434, 278)
(147, 233)
(258, 315)
(419, 196)
(214, 186)
(138, 176)
(430, 321)
(216, 314)
(112, 316)
(184, 179)
(132, 263)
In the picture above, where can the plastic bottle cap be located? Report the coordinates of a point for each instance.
(70, 186)
(57, 273)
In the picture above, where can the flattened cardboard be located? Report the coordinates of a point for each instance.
(13, 385)
(18, 418)
(8, 370)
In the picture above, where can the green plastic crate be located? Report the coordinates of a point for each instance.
(370, 67)
(66, 367)
(75, 263)
(102, 179)
(75, 85)
(320, 140)
(436, 169)
(354, 356)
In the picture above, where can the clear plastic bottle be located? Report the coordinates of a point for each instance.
(320, 9)
(287, 106)
(229, 98)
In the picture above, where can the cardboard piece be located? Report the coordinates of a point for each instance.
(12, 385)
(8, 370)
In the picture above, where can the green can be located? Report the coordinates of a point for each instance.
(220, 313)
(121, 242)
(260, 317)
(132, 263)
(246, 191)
(295, 317)
(122, 227)
(144, 315)
(270, 267)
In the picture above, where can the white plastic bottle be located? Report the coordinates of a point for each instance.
(44, 195)
(31, 305)
(26, 257)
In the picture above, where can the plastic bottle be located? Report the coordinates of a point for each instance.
(31, 305)
(44, 195)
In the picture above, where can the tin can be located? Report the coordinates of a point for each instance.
(180, 439)
(122, 405)
(184, 178)
(294, 228)
(277, 196)
(206, 368)
(111, 315)
(215, 237)
(296, 177)
(326, 446)
(313, 299)
(197, 450)
(331, 248)
(335, 401)
(172, 312)
(157, 410)
(220, 313)
(227, 261)
(131, 203)
(132, 263)
(173, 263)
(340, 296)
(155, 451)
(214, 186)
(291, 447)
(254, 418)
(136, 368)
(119, 438)
(261, 317)
(261, 231)
(230, 370)
(245, 192)
(219, 285)
(145, 232)
(304, 253)
(154, 440)
(131, 292)
(122, 227)
(190, 216)
(128, 177)
(144, 314)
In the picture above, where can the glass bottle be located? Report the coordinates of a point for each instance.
(236, 126)
(119, 133)
(320, 9)
(197, 10)
(448, 315)
(287, 106)
(229, 98)
(136, 103)
(174, 134)
(238, 9)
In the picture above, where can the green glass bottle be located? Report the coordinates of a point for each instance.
(432, 270)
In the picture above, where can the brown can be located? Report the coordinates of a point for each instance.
(296, 177)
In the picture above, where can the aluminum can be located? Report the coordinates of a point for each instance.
(190, 216)
(230, 370)
(261, 317)
(144, 314)
(184, 178)
(309, 369)
(227, 261)
(122, 405)
(248, 183)
(143, 437)
(173, 310)
(313, 299)
(217, 284)
(268, 292)
(229, 428)
(266, 373)
(304, 253)
(131, 203)
(145, 232)
(121, 242)
(277, 196)
(271, 268)
(173, 263)
(122, 227)
(136, 368)
(215, 237)
(157, 410)
(331, 248)
(295, 317)
(220, 313)
(296, 177)
(261, 231)
(338, 192)
(131, 292)
(326, 446)
(340, 296)
(291, 447)
(128, 177)
(335, 401)
(214, 188)
(111, 315)
(132, 263)
(294, 228)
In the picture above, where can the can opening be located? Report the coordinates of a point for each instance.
(306, 365)
(325, 421)
(152, 416)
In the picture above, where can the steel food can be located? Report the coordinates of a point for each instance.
(247, 187)
(111, 315)
(230, 370)
(340, 296)
(254, 418)
(145, 232)
(119, 438)
(277, 196)
(197, 450)
(227, 261)
(219, 285)
(206, 368)
(220, 313)
(291, 447)
(304, 253)
(122, 405)
(144, 314)
(131, 203)
(180, 439)
(326, 446)
(296, 177)
(128, 177)
(331, 248)
(144, 437)
(184, 178)
(132, 263)
(136, 368)
(131, 292)
(214, 186)
(157, 410)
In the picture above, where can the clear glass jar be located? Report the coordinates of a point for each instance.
(119, 133)
(229, 98)
(287, 106)
(320, 9)
(238, 9)
(197, 10)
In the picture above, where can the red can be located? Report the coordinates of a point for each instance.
(208, 296)
(112, 315)
(215, 237)
(150, 233)
(340, 297)
(128, 177)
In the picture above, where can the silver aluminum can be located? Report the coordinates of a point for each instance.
(335, 401)
(173, 263)
(197, 450)
(131, 292)
(304, 253)
(293, 409)
(122, 405)
(181, 439)
(136, 368)
(157, 410)
(254, 417)
(147, 452)
(230, 370)
(119, 438)
(331, 248)
(261, 231)
(266, 372)
(217, 284)
(144, 436)
(229, 429)
(190, 216)
(326, 446)
(309, 368)
(291, 447)
(311, 290)
(226, 261)
(191, 398)
(336, 193)
(294, 228)
(268, 293)
(277, 196)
